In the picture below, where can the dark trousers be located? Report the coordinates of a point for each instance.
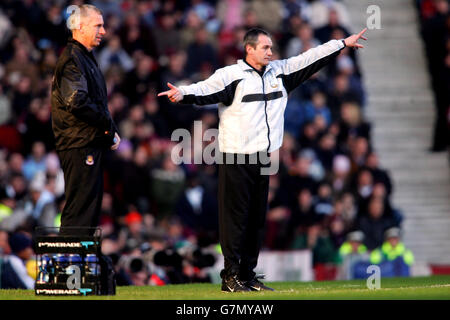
(242, 198)
(83, 176)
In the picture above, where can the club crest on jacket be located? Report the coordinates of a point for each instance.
(90, 160)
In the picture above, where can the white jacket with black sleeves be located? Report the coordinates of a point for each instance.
(251, 105)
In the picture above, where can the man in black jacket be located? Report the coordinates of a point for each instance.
(81, 121)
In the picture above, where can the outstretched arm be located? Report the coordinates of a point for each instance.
(300, 68)
(218, 88)
(352, 41)
(174, 94)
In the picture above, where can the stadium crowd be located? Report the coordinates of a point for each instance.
(159, 214)
(435, 28)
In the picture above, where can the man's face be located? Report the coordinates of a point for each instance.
(394, 241)
(92, 29)
(4, 245)
(262, 53)
(376, 209)
(26, 254)
(355, 245)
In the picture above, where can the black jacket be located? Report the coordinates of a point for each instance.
(80, 115)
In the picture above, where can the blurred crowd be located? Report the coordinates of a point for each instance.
(435, 29)
(329, 183)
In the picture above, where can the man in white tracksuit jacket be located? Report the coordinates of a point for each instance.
(252, 96)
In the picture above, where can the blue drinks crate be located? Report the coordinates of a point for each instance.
(68, 263)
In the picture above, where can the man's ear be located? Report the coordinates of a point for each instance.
(81, 29)
(248, 48)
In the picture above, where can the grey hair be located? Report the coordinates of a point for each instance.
(251, 37)
(79, 12)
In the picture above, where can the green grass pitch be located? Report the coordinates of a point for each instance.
(422, 288)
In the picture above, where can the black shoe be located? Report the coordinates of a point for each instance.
(256, 285)
(233, 284)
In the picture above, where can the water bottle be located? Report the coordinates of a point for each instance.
(44, 265)
(61, 264)
(75, 260)
(91, 264)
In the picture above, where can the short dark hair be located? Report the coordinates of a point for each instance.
(251, 37)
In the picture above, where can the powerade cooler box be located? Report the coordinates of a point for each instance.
(67, 264)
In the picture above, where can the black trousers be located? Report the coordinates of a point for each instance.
(242, 199)
(83, 177)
